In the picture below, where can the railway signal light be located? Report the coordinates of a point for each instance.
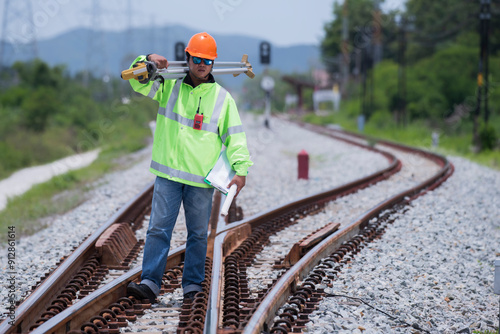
(179, 51)
(265, 53)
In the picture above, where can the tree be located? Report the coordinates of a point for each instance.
(38, 107)
(361, 25)
(435, 23)
(37, 74)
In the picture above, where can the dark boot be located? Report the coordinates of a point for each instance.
(141, 292)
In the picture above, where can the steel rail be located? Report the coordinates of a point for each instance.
(436, 158)
(439, 159)
(40, 298)
(111, 292)
(287, 283)
(230, 236)
(82, 311)
(393, 167)
(224, 238)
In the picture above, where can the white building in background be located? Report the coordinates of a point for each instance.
(327, 95)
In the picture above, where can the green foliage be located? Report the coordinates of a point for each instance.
(38, 74)
(14, 96)
(441, 61)
(47, 115)
(436, 23)
(436, 87)
(417, 133)
(12, 159)
(381, 119)
(488, 137)
(430, 94)
(494, 85)
(40, 201)
(457, 65)
(386, 87)
(440, 70)
(361, 22)
(38, 107)
(58, 195)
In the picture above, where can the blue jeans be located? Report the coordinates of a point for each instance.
(167, 198)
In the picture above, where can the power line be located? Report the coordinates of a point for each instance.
(18, 32)
(96, 58)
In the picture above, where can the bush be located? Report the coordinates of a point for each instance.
(11, 159)
(488, 137)
(381, 119)
(38, 108)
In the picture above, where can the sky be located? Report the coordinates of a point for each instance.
(281, 22)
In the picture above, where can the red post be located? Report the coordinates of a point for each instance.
(303, 159)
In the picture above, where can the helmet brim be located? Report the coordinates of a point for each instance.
(201, 55)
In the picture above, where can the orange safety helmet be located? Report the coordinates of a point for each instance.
(202, 45)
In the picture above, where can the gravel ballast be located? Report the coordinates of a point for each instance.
(272, 181)
(438, 274)
(38, 254)
(434, 266)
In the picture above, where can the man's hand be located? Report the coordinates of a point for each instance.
(239, 181)
(160, 61)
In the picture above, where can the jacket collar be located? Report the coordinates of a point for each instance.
(189, 81)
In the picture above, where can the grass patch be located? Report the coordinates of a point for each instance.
(65, 192)
(417, 134)
(116, 128)
(40, 201)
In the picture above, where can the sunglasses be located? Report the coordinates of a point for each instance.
(198, 60)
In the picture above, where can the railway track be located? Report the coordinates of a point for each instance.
(235, 299)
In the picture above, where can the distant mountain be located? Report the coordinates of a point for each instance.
(114, 51)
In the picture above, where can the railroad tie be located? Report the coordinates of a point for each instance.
(115, 245)
(300, 248)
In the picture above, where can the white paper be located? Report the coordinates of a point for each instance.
(229, 200)
(222, 173)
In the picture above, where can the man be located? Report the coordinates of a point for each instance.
(196, 117)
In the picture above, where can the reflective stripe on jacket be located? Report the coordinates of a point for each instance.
(186, 155)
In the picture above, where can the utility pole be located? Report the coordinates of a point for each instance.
(345, 49)
(485, 17)
(377, 32)
(267, 83)
(401, 102)
(129, 38)
(18, 32)
(363, 71)
(128, 43)
(482, 75)
(367, 80)
(376, 44)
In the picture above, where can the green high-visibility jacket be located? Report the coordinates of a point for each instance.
(182, 153)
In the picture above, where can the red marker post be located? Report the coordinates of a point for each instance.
(303, 159)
